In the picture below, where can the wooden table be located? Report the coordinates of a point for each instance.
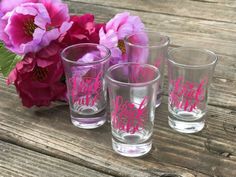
(43, 142)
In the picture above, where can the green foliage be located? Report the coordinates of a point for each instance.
(8, 60)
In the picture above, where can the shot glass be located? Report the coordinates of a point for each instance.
(85, 66)
(190, 71)
(150, 48)
(132, 91)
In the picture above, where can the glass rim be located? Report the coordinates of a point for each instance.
(171, 58)
(105, 58)
(111, 79)
(165, 39)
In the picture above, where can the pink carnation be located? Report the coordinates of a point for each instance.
(31, 26)
(38, 77)
(116, 30)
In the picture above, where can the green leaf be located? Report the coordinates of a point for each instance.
(8, 60)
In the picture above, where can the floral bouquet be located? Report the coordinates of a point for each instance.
(33, 34)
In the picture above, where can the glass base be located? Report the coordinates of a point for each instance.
(186, 126)
(131, 150)
(89, 121)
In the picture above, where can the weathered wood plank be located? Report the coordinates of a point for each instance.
(210, 152)
(217, 138)
(216, 36)
(16, 161)
(230, 3)
(20, 162)
(209, 10)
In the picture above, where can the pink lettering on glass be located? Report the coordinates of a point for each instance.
(187, 95)
(85, 90)
(127, 116)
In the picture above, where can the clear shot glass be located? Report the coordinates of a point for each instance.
(190, 71)
(151, 48)
(85, 66)
(132, 91)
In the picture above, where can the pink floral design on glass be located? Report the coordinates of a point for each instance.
(128, 116)
(187, 95)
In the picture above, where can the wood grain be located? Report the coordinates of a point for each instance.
(227, 3)
(216, 36)
(17, 161)
(211, 152)
(213, 10)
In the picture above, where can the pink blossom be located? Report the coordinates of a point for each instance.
(82, 71)
(38, 77)
(116, 30)
(83, 30)
(31, 26)
(137, 47)
(9, 5)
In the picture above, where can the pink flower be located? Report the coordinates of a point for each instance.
(9, 5)
(38, 77)
(83, 30)
(82, 71)
(116, 30)
(31, 26)
(137, 47)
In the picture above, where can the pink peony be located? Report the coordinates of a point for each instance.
(116, 30)
(31, 26)
(83, 30)
(38, 77)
